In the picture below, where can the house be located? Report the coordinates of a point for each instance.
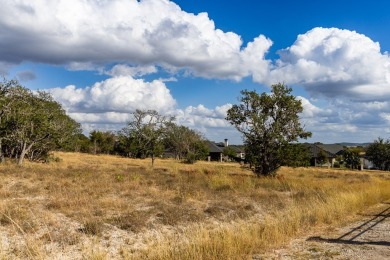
(329, 151)
(216, 151)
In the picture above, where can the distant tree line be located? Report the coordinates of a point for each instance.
(147, 135)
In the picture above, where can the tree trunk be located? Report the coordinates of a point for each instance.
(2, 158)
(23, 153)
(153, 160)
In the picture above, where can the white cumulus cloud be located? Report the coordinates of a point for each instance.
(133, 71)
(87, 34)
(201, 117)
(335, 63)
(118, 94)
(312, 111)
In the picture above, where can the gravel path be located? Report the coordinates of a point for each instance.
(368, 238)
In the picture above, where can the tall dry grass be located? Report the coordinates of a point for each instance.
(127, 209)
(245, 238)
(317, 197)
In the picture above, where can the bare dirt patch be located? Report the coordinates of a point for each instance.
(366, 238)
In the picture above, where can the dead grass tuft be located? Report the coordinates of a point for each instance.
(92, 226)
(20, 215)
(134, 221)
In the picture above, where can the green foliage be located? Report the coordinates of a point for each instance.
(32, 124)
(199, 151)
(81, 143)
(144, 135)
(352, 158)
(190, 158)
(379, 154)
(229, 152)
(102, 142)
(123, 144)
(321, 157)
(296, 155)
(269, 122)
(186, 144)
(119, 178)
(52, 158)
(150, 134)
(339, 160)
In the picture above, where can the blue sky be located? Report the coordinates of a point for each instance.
(191, 58)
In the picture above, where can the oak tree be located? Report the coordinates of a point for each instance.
(32, 124)
(185, 143)
(145, 134)
(268, 122)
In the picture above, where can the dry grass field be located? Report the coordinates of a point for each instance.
(107, 207)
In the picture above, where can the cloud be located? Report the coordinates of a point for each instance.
(118, 94)
(312, 111)
(90, 34)
(209, 121)
(133, 71)
(151, 35)
(4, 68)
(341, 120)
(349, 77)
(202, 118)
(25, 75)
(335, 63)
(112, 119)
(74, 66)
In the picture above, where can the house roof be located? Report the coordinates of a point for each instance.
(219, 147)
(238, 148)
(214, 148)
(315, 150)
(332, 148)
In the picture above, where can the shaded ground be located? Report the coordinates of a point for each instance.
(368, 238)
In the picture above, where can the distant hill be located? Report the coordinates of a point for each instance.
(354, 144)
(343, 144)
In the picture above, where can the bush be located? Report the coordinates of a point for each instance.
(51, 158)
(190, 158)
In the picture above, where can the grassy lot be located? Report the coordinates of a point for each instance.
(104, 207)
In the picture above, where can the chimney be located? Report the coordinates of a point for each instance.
(226, 143)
